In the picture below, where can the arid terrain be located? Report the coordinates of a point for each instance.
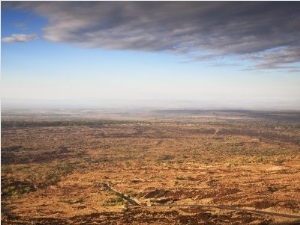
(150, 167)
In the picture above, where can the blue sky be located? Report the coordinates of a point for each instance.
(50, 54)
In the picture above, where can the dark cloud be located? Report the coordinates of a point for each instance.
(287, 55)
(266, 32)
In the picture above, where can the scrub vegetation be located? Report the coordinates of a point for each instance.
(161, 167)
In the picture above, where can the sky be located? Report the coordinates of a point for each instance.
(158, 54)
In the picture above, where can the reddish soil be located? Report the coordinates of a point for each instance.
(184, 171)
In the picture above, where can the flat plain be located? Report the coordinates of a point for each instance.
(150, 167)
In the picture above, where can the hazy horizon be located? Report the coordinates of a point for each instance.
(267, 104)
(150, 54)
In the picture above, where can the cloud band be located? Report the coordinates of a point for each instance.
(268, 33)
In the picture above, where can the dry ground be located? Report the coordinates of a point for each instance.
(168, 168)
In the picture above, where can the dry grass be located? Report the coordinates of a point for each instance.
(53, 171)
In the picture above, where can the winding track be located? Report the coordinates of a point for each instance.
(223, 207)
(129, 200)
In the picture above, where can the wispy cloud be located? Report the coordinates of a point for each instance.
(268, 33)
(20, 38)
